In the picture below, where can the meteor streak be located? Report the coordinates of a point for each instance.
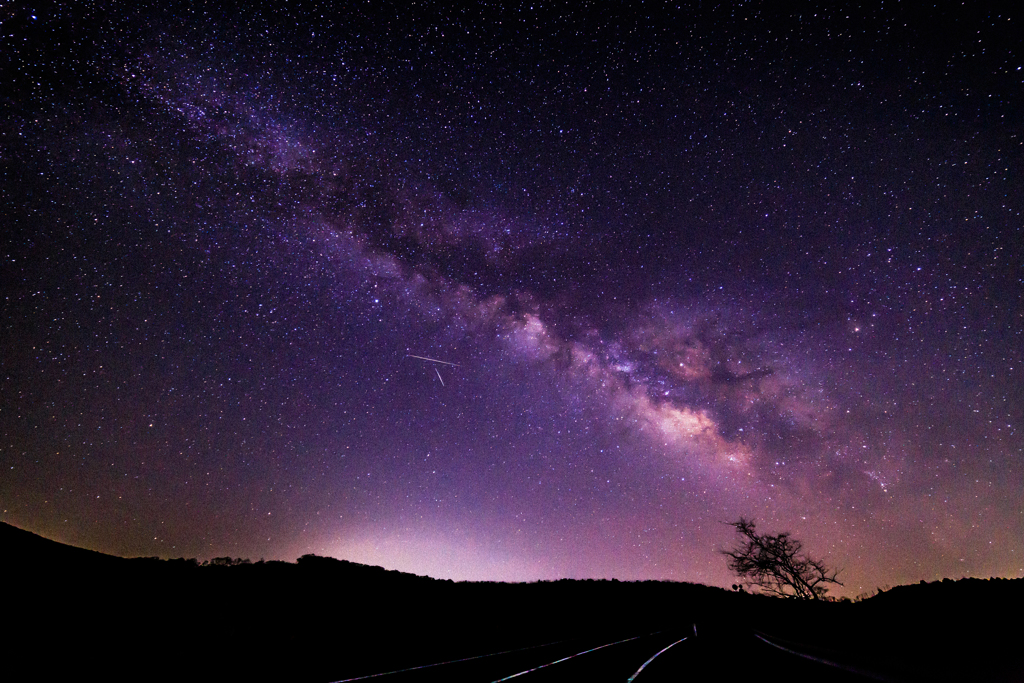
(432, 360)
(439, 376)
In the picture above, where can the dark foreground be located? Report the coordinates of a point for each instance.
(649, 658)
(70, 612)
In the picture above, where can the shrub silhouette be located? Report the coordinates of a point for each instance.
(776, 565)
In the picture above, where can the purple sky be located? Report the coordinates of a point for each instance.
(689, 265)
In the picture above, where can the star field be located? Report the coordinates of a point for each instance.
(689, 263)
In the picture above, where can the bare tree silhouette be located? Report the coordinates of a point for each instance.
(776, 566)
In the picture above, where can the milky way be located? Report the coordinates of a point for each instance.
(685, 265)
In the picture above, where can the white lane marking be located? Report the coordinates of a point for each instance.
(451, 661)
(862, 672)
(569, 657)
(633, 677)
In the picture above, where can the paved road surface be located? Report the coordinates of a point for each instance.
(720, 657)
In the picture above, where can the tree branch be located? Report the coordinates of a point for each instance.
(776, 564)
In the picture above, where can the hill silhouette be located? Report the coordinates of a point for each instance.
(80, 612)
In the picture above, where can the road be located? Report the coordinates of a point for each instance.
(645, 658)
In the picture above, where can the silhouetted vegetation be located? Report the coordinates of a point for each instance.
(776, 565)
(322, 619)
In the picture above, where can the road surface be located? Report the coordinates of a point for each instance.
(676, 655)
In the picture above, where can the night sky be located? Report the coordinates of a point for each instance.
(688, 264)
